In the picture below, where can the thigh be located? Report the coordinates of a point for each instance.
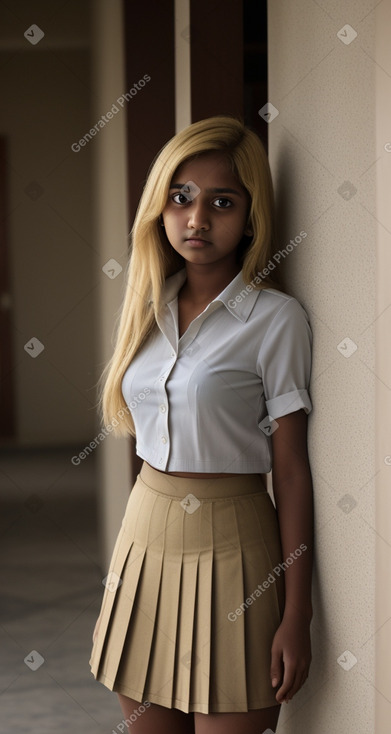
(256, 721)
(154, 719)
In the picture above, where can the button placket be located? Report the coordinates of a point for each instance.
(163, 409)
(178, 347)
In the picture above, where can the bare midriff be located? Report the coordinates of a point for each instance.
(203, 475)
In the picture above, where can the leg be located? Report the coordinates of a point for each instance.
(256, 721)
(154, 719)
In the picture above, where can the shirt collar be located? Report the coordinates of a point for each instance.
(238, 297)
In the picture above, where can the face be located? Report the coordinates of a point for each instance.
(207, 219)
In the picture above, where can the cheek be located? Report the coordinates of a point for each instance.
(171, 221)
(174, 226)
(235, 226)
(175, 218)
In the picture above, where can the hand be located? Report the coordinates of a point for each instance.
(291, 655)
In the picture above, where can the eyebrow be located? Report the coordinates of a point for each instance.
(209, 191)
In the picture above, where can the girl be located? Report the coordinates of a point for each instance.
(205, 620)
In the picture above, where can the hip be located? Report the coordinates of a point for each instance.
(197, 514)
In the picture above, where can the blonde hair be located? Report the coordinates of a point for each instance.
(152, 258)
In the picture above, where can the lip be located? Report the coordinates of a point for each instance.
(197, 242)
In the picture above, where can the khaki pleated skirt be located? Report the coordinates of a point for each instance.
(193, 596)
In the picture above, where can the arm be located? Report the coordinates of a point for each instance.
(292, 487)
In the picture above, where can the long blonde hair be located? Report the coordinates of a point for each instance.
(152, 258)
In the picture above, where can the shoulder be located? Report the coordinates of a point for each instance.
(286, 340)
(279, 307)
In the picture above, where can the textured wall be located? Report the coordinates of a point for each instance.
(323, 152)
(383, 370)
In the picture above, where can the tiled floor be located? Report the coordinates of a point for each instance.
(50, 591)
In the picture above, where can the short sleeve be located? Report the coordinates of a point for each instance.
(284, 361)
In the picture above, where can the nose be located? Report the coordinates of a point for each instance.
(198, 215)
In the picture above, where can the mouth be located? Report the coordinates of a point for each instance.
(197, 242)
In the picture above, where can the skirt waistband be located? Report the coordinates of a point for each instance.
(201, 487)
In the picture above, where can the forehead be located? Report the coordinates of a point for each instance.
(209, 167)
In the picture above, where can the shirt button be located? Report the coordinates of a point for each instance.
(162, 408)
(164, 440)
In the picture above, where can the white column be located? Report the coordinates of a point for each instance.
(182, 65)
(111, 231)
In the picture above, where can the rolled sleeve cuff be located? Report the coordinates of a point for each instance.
(288, 403)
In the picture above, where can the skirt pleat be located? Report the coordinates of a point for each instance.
(200, 660)
(118, 560)
(134, 614)
(228, 682)
(175, 630)
(160, 680)
(121, 613)
(140, 625)
(186, 618)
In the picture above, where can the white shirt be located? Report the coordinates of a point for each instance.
(201, 403)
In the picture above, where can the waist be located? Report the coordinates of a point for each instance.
(214, 486)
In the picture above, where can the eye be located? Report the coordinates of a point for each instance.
(186, 199)
(227, 201)
(223, 202)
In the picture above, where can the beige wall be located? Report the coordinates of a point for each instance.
(382, 57)
(47, 89)
(324, 135)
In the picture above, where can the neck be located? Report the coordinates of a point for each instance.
(205, 282)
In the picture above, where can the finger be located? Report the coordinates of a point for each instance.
(276, 666)
(294, 688)
(288, 681)
(299, 678)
